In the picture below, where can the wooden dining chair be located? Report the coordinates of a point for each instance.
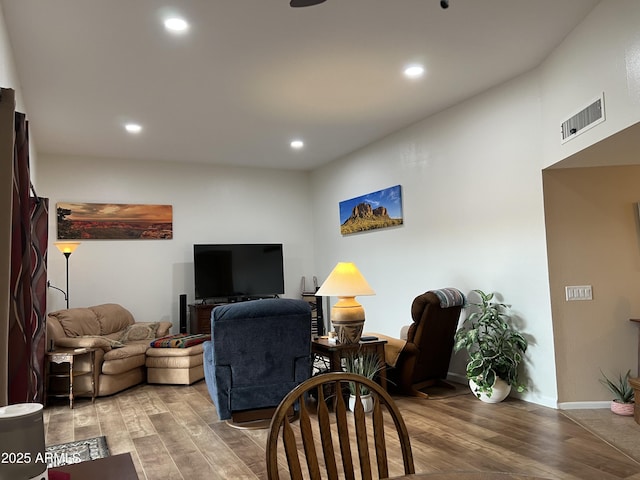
(323, 415)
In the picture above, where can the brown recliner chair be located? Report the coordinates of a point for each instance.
(422, 358)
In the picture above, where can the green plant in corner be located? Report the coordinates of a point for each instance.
(366, 364)
(495, 347)
(621, 388)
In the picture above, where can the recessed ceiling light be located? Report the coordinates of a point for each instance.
(133, 128)
(176, 25)
(297, 144)
(414, 71)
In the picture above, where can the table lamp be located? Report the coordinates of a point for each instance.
(347, 315)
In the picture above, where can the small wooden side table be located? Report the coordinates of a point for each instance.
(336, 352)
(68, 355)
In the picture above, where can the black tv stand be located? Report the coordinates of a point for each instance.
(200, 313)
(200, 317)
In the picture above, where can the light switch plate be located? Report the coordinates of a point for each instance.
(578, 292)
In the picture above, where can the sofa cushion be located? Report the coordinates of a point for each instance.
(120, 360)
(121, 365)
(108, 341)
(139, 331)
(77, 322)
(163, 329)
(90, 341)
(112, 317)
(129, 350)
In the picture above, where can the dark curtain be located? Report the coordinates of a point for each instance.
(39, 242)
(29, 236)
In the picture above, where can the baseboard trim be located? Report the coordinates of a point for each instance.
(456, 377)
(584, 405)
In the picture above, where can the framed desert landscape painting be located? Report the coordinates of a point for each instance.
(380, 209)
(114, 221)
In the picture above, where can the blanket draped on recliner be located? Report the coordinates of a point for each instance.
(449, 297)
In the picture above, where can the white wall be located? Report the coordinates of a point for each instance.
(601, 55)
(473, 217)
(472, 187)
(210, 205)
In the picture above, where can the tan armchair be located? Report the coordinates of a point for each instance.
(421, 357)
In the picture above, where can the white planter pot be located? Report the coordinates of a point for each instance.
(501, 390)
(367, 402)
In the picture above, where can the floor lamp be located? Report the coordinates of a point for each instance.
(67, 248)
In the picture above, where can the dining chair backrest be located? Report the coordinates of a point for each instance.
(322, 415)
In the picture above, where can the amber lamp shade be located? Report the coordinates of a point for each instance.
(67, 247)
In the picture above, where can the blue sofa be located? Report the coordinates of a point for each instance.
(258, 352)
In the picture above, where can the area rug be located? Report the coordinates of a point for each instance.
(75, 452)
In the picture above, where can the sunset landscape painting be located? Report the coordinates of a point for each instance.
(113, 221)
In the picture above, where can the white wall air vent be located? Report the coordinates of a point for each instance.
(583, 120)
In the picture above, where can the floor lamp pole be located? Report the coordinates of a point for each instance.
(66, 248)
(67, 255)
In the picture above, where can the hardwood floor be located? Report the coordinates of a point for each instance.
(173, 432)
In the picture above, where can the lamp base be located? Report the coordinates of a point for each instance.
(347, 317)
(349, 332)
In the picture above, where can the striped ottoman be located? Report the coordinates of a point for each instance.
(176, 359)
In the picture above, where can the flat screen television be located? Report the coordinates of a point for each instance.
(236, 271)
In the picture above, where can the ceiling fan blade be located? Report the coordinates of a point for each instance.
(305, 3)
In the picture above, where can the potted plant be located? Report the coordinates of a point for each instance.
(495, 349)
(367, 364)
(623, 394)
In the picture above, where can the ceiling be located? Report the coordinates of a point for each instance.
(251, 75)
